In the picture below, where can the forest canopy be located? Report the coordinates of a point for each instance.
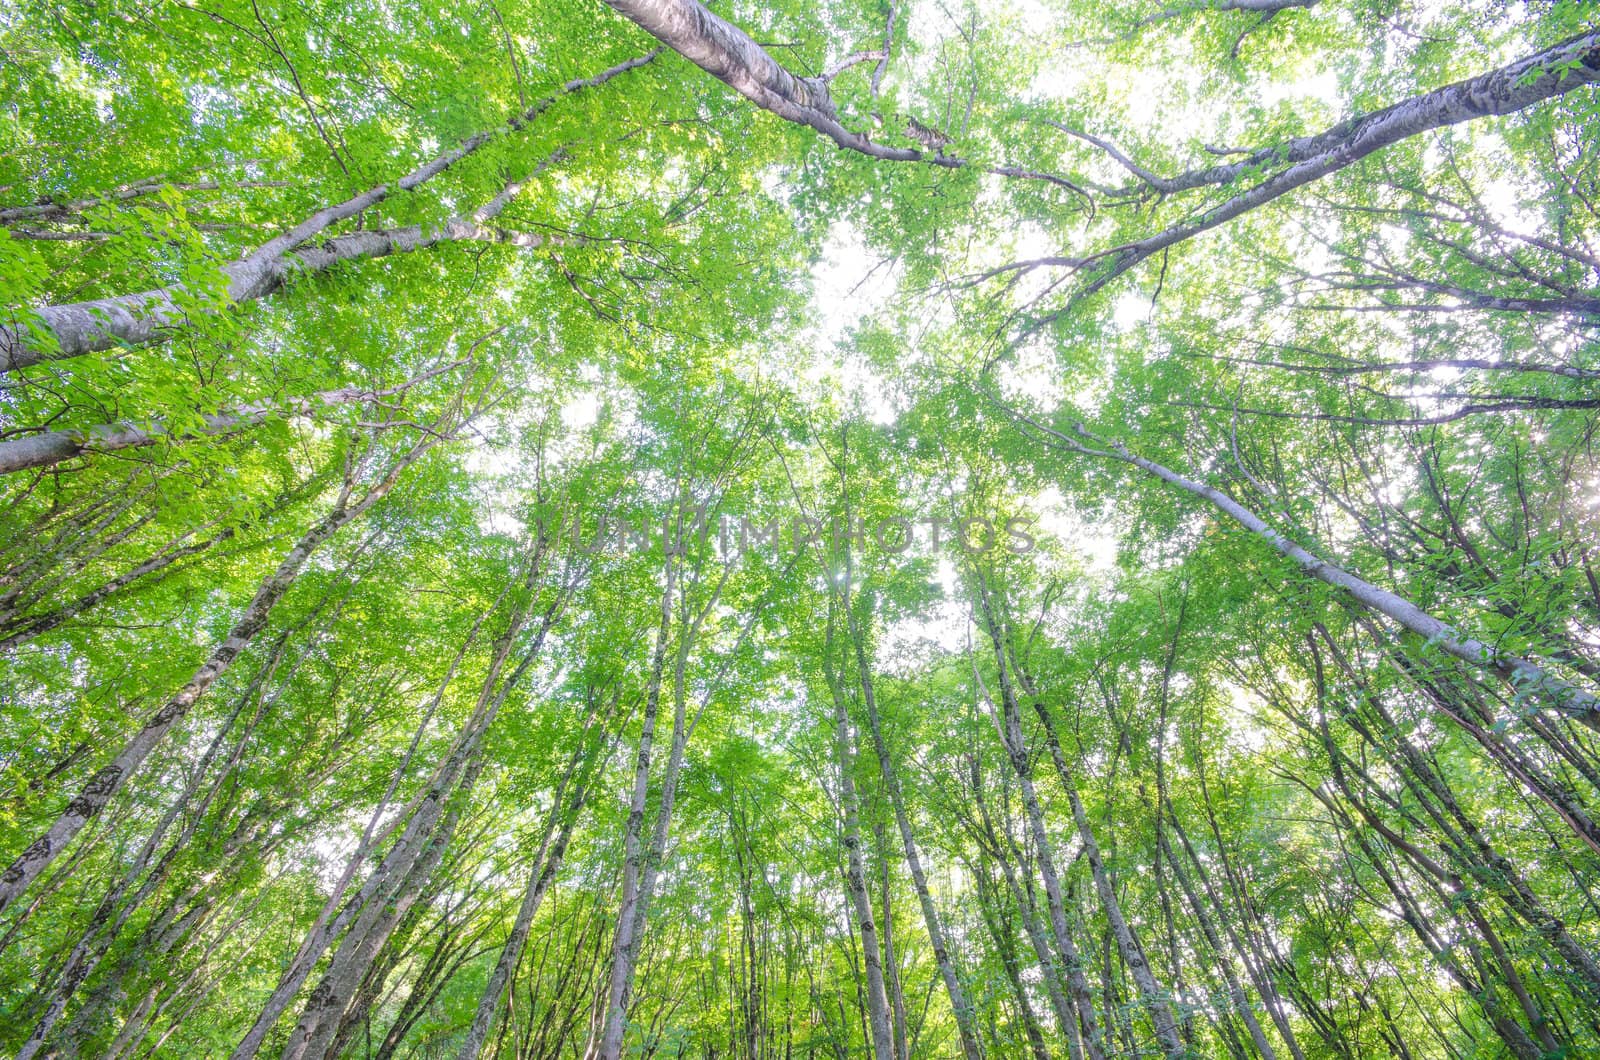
(877, 528)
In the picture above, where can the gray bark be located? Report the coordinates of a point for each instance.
(52, 447)
(109, 779)
(727, 53)
(1028, 910)
(410, 863)
(625, 944)
(1151, 993)
(960, 1006)
(545, 866)
(639, 888)
(331, 919)
(1530, 80)
(1562, 695)
(49, 210)
(878, 1016)
(34, 626)
(1008, 723)
(1224, 959)
(1492, 93)
(56, 332)
(117, 906)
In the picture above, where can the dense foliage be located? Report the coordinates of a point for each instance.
(883, 529)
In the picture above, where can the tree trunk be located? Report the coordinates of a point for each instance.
(331, 919)
(881, 1032)
(414, 857)
(110, 778)
(732, 56)
(1008, 723)
(959, 1005)
(608, 1046)
(1154, 997)
(1560, 694)
(545, 866)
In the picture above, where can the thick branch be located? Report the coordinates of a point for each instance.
(1544, 75)
(727, 53)
(135, 319)
(42, 450)
(1496, 92)
(1527, 676)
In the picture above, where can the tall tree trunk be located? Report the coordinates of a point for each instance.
(1008, 724)
(880, 1030)
(642, 864)
(109, 779)
(1005, 948)
(1049, 965)
(891, 961)
(545, 866)
(1236, 994)
(331, 920)
(1555, 691)
(118, 905)
(27, 627)
(1155, 999)
(729, 54)
(608, 1046)
(959, 1005)
(411, 862)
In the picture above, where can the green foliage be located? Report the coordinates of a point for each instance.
(1321, 831)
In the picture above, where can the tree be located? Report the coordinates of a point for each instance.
(831, 530)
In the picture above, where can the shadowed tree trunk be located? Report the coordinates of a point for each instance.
(108, 780)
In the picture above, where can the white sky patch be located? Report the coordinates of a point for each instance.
(1322, 86)
(1029, 243)
(850, 282)
(503, 522)
(909, 642)
(1094, 544)
(1132, 309)
(581, 411)
(1058, 83)
(1508, 205)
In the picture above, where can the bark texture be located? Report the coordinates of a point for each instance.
(56, 332)
(52, 447)
(108, 780)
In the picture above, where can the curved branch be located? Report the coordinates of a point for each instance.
(1545, 75)
(727, 53)
(854, 59)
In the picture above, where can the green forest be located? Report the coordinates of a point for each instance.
(882, 529)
